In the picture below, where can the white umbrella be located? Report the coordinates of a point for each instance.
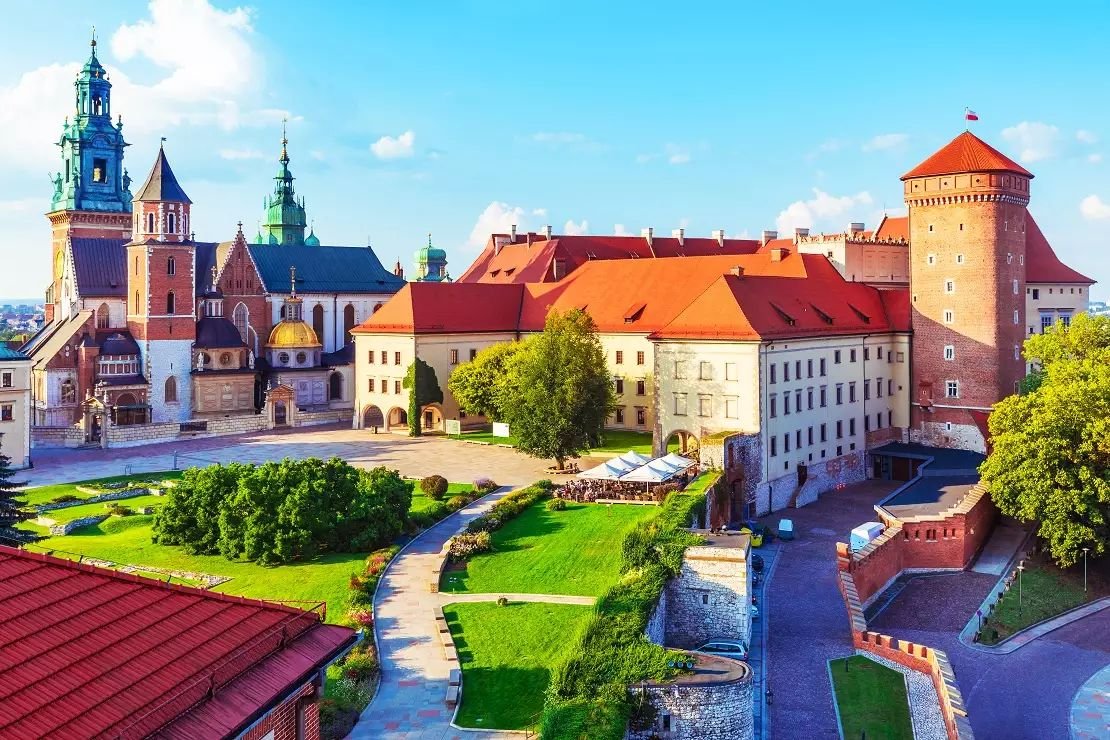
(648, 474)
(679, 461)
(608, 470)
(635, 458)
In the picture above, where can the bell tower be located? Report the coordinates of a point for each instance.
(285, 214)
(91, 197)
(967, 223)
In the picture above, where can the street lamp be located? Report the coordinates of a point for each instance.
(1085, 551)
(1020, 568)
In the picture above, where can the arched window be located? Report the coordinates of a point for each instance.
(171, 303)
(335, 387)
(241, 318)
(172, 223)
(171, 266)
(376, 307)
(136, 265)
(171, 389)
(103, 321)
(136, 303)
(97, 106)
(150, 223)
(318, 321)
(348, 322)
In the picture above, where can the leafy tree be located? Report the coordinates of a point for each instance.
(423, 387)
(477, 384)
(1050, 456)
(190, 517)
(12, 510)
(557, 391)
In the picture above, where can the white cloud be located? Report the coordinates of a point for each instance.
(677, 154)
(1095, 158)
(394, 147)
(1086, 137)
(541, 212)
(1094, 209)
(497, 218)
(619, 230)
(238, 154)
(1034, 140)
(572, 229)
(645, 158)
(819, 210)
(885, 141)
(828, 146)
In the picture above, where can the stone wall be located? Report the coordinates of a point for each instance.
(700, 711)
(57, 530)
(144, 434)
(316, 418)
(657, 623)
(709, 598)
(97, 498)
(821, 477)
(55, 437)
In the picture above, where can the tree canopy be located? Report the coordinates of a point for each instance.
(12, 507)
(278, 512)
(557, 392)
(423, 387)
(1050, 456)
(477, 384)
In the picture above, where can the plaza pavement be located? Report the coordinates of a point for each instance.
(457, 461)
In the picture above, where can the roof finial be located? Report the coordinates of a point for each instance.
(92, 43)
(429, 238)
(293, 281)
(214, 273)
(284, 141)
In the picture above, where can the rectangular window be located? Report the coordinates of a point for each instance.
(852, 392)
(866, 354)
(774, 446)
(851, 426)
(798, 400)
(370, 385)
(786, 443)
(773, 409)
(824, 396)
(1046, 322)
(680, 404)
(396, 358)
(890, 387)
(706, 371)
(705, 405)
(949, 286)
(619, 415)
(385, 357)
(618, 386)
(839, 430)
(866, 391)
(786, 372)
(809, 398)
(949, 352)
(397, 387)
(878, 388)
(6, 380)
(836, 357)
(809, 368)
(620, 357)
(473, 354)
(821, 367)
(1016, 287)
(730, 371)
(641, 387)
(839, 394)
(809, 435)
(890, 418)
(1065, 319)
(641, 417)
(824, 432)
(370, 356)
(680, 369)
(6, 413)
(949, 316)
(867, 423)
(786, 404)
(851, 355)
(798, 369)
(1036, 293)
(454, 359)
(798, 439)
(879, 420)
(952, 389)
(640, 358)
(960, 257)
(732, 407)
(774, 373)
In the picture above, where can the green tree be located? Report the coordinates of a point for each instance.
(557, 391)
(1050, 456)
(477, 385)
(423, 387)
(190, 516)
(12, 506)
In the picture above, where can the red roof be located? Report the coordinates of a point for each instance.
(1041, 263)
(895, 228)
(966, 153)
(532, 258)
(86, 651)
(447, 308)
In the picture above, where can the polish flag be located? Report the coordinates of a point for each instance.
(970, 114)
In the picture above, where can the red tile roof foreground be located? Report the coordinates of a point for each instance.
(798, 295)
(86, 651)
(966, 153)
(1041, 263)
(895, 228)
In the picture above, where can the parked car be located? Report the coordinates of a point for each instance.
(734, 649)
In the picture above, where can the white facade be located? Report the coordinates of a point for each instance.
(15, 410)
(332, 308)
(162, 359)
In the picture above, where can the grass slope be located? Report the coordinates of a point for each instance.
(43, 494)
(70, 513)
(616, 441)
(576, 552)
(1046, 591)
(506, 654)
(871, 699)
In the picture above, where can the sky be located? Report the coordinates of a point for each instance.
(460, 118)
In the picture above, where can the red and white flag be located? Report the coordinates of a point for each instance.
(970, 115)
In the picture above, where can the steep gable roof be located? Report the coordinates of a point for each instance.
(1041, 263)
(322, 269)
(966, 153)
(448, 308)
(161, 184)
(893, 228)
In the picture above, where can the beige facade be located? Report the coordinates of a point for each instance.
(1047, 303)
(859, 258)
(15, 408)
(631, 359)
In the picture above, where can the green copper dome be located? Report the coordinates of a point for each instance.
(431, 264)
(285, 220)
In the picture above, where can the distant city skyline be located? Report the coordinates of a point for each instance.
(404, 122)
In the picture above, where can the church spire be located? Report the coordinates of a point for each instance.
(285, 220)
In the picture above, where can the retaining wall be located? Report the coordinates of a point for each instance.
(690, 711)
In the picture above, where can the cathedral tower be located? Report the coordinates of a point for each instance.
(161, 309)
(91, 195)
(285, 215)
(431, 264)
(967, 285)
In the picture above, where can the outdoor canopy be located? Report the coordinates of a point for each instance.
(635, 458)
(679, 461)
(608, 470)
(655, 471)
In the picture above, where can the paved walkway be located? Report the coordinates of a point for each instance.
(1090, 710)
(1000, 548)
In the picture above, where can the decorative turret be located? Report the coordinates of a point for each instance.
(161, 209)
(293, 343)
(431, 264)
(285, 215)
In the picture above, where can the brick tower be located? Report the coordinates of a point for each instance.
(161, 310)
(967, 283)
(92, 195)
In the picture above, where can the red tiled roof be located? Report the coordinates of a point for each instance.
(1041, 263)
(524, 262)
(966, 153)
(438, 308)
(86, 651)
(894, 227)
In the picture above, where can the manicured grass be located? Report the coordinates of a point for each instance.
(576, 551)
(43, 494)
(1046, 591)
(618, 441)
(421, 501)
(70, 513)
(871, 699)
(486, 437)
(506, 654)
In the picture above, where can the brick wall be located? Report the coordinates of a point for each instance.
(144, 434)
(282, 719)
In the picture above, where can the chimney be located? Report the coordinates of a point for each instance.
(547, 231)
(738, 271)
(778, 253)
(646, 233)
(719, 235)
(768, 235)
(512, 233)
(679, 234)
(855, 227)
(799, 233)
(531, 235)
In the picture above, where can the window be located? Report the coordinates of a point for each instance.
(786, 404)
(150, 223)
(1065, 319)
(809, 398)
(879, 388)
(396, 358)
(397, 386)
(786, 372)
(706, 372)
(866, 391)
(732, 407)
(824, 396)
(821, 369)
(641, 388)
(370, 385)
(809, 435)
(6, 379)
(798, 439)
(949, 316)
(786, 443)
(283, 358)
(1046, 322)
(473, 354)
(774, 446)
(171, 266)
(959, 257)
(949, 352)
(889, 418)
(836, 357)
(890, 387)
(867, 423)
(824, 432)
(680, 404)
(839, 431)
(6, 412)
(453, 357)
(730, 371)
(952, 389)
(640, 358)
(949, 286)
(385, 357)
(620, 357)
(705, 405)
(839, 450)
(171, 390)
(809, 368)
(932, 258)
(798, 369)
(798, 400)
(385, 386)
(773, 409)
(618, 386)
(302, 358)
(370, 355)
(866, 354)
(171, 221)
(641, 417)
(680, 369)
(1015, 287)
(774, 373)
(839, 394)
(851, 426)
(851, 355)
(1017, 352)
(852, 392)
(619, 415)
(171, 303)
(1017, 318)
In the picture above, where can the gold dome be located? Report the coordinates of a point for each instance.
(293, 334)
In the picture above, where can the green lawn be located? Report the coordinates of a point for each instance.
(70, 513)
(616, 441)
(43, 494)
(871, 699)
(576, 552)
(506, 654)
(420, 501)
(1046, 591)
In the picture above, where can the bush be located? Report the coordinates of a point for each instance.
(457, 502)
(355, 584)
(119, 510)
(468, 544)
(435, 486)
(485, 523)
(360, 665)
(336, 722)
(502, 601)
(65, 498)
(557, 504)
(361, 618)
(484, 485)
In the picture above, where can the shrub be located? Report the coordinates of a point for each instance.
(467, 544)
(557, 504)
(502, 601)
(457, 502)
(485, 523)
(351, 693)
(360, 665)
(435, 486)
(363, 618)
(119, 510)
(355, 584)
(65, 498)
(484, 485)
(336, 722)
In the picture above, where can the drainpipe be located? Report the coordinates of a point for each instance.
(335, 318)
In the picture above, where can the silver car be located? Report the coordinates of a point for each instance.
(734, 649)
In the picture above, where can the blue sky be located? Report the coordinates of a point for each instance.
(456, 118)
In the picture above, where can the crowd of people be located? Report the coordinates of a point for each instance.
(586, 490)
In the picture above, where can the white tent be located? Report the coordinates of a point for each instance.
(608, 470)
(679, 461)
(654, 471)
(635, 458)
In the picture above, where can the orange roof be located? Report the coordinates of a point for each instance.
(447, 308)
(966, 153)
(896, 228)
(531, 258)
(1041, 263)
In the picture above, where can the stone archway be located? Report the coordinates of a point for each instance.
(683, 442)
(398, 417)
(372, 418)
(431, 418)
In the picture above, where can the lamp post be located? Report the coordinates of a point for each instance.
(1020, 568)
(1085, 551)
